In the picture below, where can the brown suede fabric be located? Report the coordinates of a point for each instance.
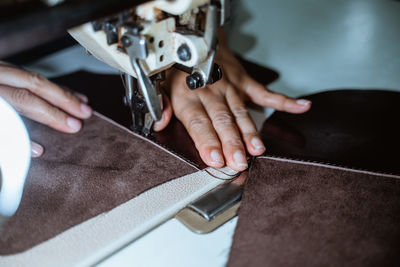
(351, 128)
(296, 214)
(106, 92)
(82, 175)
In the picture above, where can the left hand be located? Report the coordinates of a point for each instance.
(37, 98)
(216, 117)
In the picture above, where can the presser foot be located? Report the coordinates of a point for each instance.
(215, 208)
(142, 118)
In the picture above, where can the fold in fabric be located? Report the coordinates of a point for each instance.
(83, 175)
(317, 215)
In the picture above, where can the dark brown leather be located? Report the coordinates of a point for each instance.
(309, 215)
(106, 92)
(82, 175)
(354, 128)
(295, 214)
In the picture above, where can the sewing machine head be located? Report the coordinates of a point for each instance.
(146, 40)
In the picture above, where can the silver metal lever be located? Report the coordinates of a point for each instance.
(148, 90)
(137, 50)
(214, 208)
(220, 199)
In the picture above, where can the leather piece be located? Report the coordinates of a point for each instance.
(351, 128)
(106, 92)
(83, 175)
(311, 215)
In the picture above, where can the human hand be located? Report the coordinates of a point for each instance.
(35, 97)
(216, 117)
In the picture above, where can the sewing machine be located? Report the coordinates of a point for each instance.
(145, 41)
(142, 40)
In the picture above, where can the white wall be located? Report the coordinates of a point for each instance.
(317, 45)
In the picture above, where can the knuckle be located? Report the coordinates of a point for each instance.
(197, 123)
(240, 112)
(266, 96)
(36, 80)
(65, 96)
(234, 142)
(182, 106)
(282, 102)
(68, 97)
(245, 84)
(204, 147)
(21, 97)
(52, 115)
(223, 119)
(249, 131)
(274, 100)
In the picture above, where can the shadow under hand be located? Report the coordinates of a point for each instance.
(243, 42)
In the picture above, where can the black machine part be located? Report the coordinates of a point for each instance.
(27, 24)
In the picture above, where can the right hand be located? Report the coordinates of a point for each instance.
(216, 116)
(35, 97)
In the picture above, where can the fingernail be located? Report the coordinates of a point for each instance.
(74, 124)
(86, 109)
(303, 102)
(36, 150)
(157, 124)
(82, 97)
(240, 159)
(257, 143)
(216, 156)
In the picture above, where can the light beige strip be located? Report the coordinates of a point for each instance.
(99, 237)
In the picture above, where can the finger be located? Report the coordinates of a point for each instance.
(166, 115)
(189, 110)
(225, 126)
(200, 129)
(36, 150)
(82, 97)
(47, 90)
(3, 63)
(245, 124)
(263, 97)
(35, 108)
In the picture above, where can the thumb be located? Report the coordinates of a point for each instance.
(166, 115)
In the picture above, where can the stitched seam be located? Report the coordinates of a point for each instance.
(157, 144)
(329, 165)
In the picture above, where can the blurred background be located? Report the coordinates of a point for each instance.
(314, 45)
(317, 45)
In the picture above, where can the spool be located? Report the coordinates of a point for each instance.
(15, 156)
